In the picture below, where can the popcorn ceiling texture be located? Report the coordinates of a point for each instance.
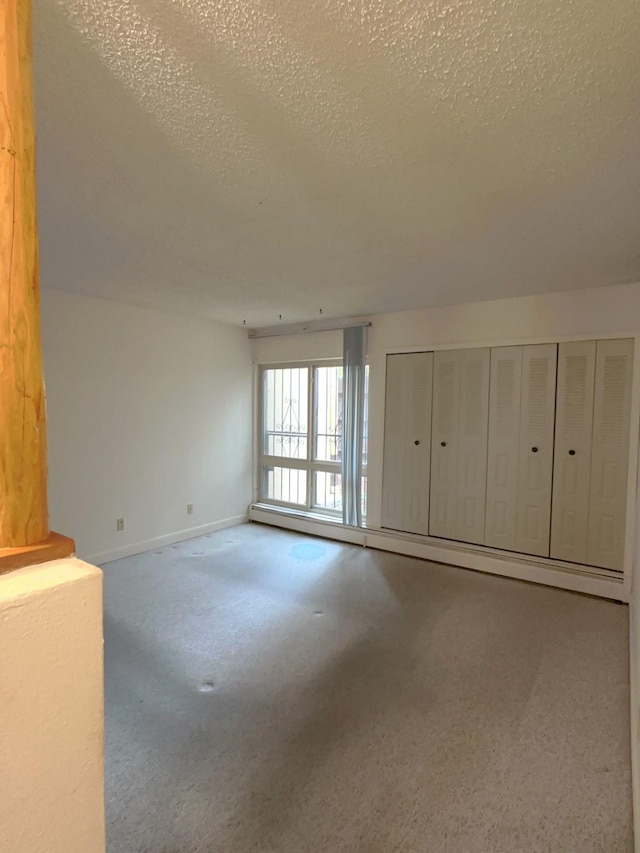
(244, 160)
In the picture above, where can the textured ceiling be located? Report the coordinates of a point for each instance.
(241, 160)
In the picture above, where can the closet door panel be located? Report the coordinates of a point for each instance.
(407, 444)
(417, 459)
(535, 454)
(395, 440)
(504, 433)
(572, 459)
(471, 481)
(610, 454)
(444, 443)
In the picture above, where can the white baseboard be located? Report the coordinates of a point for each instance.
(510, 566)
(507, 566)
(160, 541)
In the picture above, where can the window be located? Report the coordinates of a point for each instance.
(301, 437)
(286, 392)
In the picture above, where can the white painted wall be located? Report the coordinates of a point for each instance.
(584, 312)
(147, 411)
(51, 709)
(310, 345)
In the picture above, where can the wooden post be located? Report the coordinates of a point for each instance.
(23, 442)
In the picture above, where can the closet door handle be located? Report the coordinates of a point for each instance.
(416, 442)
(572, 453)
(534, 449)
(443, 444)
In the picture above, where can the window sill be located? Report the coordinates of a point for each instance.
(316, 515)
(310, 514)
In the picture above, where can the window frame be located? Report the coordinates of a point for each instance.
(310, 464)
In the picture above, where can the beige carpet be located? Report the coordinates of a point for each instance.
(272, 692)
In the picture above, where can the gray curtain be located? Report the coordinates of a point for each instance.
(352, 423)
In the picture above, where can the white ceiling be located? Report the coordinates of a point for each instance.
(241, 160)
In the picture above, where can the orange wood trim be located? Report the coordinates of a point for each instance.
(54, 547)
(23, 442)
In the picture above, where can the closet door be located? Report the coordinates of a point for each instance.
(395, 440)
(471, 475)
(535, 454)
(610, 454)
(418, 455)
(407, 442)
(572, 464)
(504, 434)
(444, 443)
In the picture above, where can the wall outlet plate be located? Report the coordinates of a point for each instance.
(189, 509)
(119, 524)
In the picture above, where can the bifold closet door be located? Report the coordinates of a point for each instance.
(459, 444)
(444, 443)
(407, 442)
(535, 453)
(572, 465)
(504, 442)
(610, 454)
(471, 487)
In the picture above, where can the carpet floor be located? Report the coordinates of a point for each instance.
(275, 693)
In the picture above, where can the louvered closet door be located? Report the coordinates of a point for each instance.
(418, 448)
(444, 443)
(535, 454)
(572, 459)
(407, 445)
(504, 435)
(610, 454)
(395, 439)
(471, 480)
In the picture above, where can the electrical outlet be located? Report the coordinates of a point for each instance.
(119, 524)
(189, 509)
